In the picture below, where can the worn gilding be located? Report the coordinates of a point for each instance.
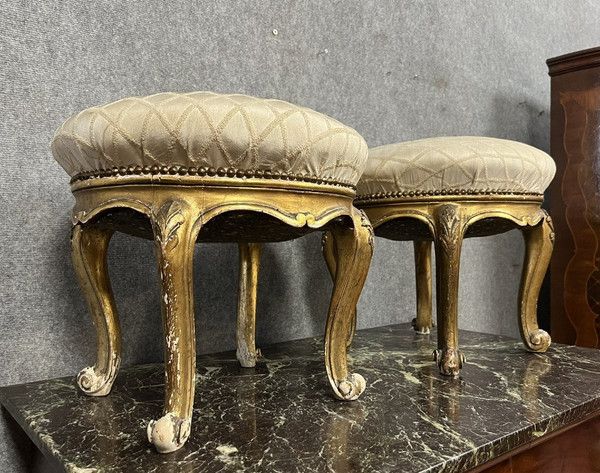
(178, 207)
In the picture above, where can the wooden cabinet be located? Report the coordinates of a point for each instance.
(575, 197)
(569, 450)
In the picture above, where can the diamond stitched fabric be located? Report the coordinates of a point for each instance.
(457, 163)
(210, 130)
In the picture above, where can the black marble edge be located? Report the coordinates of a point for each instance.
(34, 436)
(508, 445)
(484, 456)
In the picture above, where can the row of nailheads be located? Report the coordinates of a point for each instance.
(389, 195)
(202, 171)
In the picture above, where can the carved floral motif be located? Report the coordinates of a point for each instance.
(167, 222)
(449, 229)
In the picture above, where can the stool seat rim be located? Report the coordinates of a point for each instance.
(450, 195)
(200, 182)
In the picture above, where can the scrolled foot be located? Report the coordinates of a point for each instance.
(425, 329)
(352, 387)
(168, 433)
(539, 341)
(93, 384)
(248, 359)
(449, 361)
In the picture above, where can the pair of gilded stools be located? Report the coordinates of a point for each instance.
(181, 168)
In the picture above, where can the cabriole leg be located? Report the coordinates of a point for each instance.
(424, 320)
(247, 352)
(450, 230)
(539, 242)
(175, 237)
(330, 255)
(89, 244)
(354, 248)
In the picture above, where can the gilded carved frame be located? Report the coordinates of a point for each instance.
(178, 207)
(448, 217)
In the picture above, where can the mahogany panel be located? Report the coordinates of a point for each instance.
(575, 451)
(575, 197)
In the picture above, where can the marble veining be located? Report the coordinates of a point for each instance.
(281, 417)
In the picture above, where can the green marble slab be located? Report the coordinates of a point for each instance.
(281, 417)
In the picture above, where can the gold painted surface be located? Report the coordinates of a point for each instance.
(88, 250)
(177, 212)
(450, 227)
(424, 320)
(247, 352)
(448, 219)
(330, 256)
(354, 248)
(539, 242)
(175, 235)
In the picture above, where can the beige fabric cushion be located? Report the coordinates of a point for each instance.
(205, 129)
(458, 164)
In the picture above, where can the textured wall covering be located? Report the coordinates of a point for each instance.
(391, 70)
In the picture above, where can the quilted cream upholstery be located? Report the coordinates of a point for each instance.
(457, 165)
(205, 129)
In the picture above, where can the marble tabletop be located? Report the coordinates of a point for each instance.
(281, 416)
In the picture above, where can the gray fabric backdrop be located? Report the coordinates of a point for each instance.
(392, 70)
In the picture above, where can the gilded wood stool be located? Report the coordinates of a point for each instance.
(182, 168)
(446, 189)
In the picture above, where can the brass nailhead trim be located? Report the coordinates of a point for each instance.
(202, 171)
(430, 193)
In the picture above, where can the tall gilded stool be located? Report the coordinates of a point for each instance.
(181, 168)
(448, 188)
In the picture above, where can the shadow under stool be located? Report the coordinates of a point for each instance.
(449, 188)
(181, 168)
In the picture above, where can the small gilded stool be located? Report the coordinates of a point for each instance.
(181, 168)
(446, 189)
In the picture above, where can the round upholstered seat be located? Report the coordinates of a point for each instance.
(234, 134)
(183, 168)
(455, 165)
